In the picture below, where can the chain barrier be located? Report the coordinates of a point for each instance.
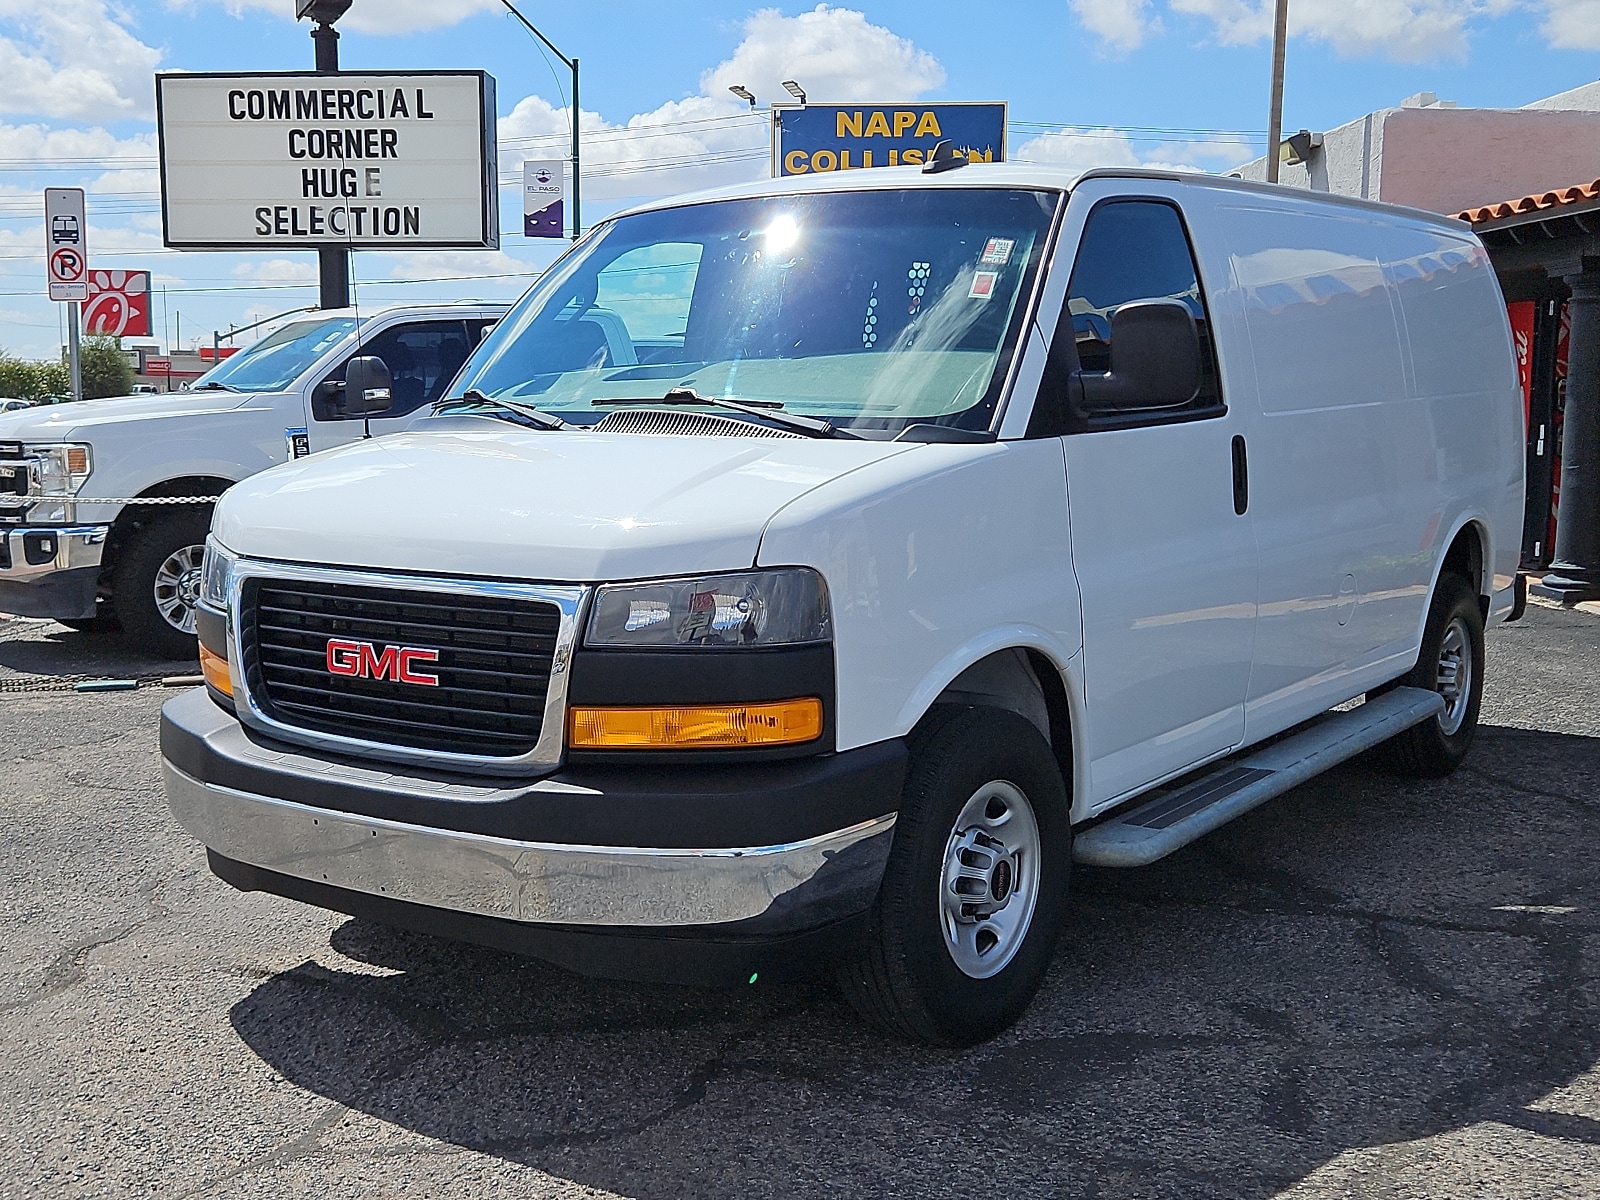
(140, 499)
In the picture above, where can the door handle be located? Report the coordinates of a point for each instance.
(1241, 477)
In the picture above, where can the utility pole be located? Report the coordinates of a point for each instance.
(333, 262)
(571, 64)
(1280, 39)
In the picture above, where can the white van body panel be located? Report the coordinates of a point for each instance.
(934, 560)
(1376, 431)
(509, 503)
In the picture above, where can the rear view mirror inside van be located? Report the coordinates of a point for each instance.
(1155, 361)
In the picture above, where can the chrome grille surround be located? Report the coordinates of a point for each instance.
(570, 600)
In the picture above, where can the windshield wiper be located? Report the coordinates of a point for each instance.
(473, 398)
(764, 409)
(221, 387)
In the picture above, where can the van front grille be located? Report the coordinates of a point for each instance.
(489, 655)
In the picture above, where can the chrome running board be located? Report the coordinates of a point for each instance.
(1175, 818)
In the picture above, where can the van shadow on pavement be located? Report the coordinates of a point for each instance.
(1363, 961)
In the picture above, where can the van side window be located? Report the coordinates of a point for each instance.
(1136, 250)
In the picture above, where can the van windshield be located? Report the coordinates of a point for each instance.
(871, 309)
(278, 359)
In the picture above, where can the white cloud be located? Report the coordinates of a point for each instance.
(371, 16)
(1404, 30)
(74, 59)
(834, 53)
(1079, 150)
(1572, 24)
(1121, 24)
(276, 270)
(712, 138)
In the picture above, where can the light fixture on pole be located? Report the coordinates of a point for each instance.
(795, 90)
(572, 65)
(744, 94)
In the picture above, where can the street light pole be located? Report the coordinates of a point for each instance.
(333, 262)
(571, 64)
(1280, 38)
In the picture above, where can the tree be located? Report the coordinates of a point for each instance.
(106, 371)
(32, 380)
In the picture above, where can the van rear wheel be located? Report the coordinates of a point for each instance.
(1451, 663)
(965, 922)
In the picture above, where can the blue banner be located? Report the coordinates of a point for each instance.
(848, 137)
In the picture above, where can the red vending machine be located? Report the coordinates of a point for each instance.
(1539, 332)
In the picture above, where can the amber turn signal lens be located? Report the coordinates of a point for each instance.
(701, 727)
(215, 668)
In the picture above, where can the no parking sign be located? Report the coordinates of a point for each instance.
(118, 304)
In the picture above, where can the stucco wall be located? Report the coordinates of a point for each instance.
(1448, 159)
(1454, 158)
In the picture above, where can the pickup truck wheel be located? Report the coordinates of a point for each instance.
(965, 921)
(1451, 663)
(157, 584)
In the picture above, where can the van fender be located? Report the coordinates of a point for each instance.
(1068, 663)
(1479, 520)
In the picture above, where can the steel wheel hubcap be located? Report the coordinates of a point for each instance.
(990, 882)
(1454, 678)
(177, 587)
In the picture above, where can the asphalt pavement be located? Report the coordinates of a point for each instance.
(1367, 988)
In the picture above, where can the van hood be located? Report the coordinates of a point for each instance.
(512, 504)
(77, 420)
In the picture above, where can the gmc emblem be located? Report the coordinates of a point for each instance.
(363, 660)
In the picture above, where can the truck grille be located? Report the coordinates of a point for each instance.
(493, 664)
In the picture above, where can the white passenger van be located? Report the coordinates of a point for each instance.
(811, 572)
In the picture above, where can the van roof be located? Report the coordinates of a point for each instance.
(1021, 175)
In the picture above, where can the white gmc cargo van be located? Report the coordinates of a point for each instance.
(104, 504)
(812, 572)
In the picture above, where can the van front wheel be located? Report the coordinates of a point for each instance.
(965, 921)
(1451, 663)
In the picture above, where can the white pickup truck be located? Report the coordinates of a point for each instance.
(73, 548)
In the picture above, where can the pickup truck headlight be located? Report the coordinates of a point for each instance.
(783, 607)
(216, 577)
(63, 467)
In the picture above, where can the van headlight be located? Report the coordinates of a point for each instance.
(62, 467)
(783, 607)
(216, 577)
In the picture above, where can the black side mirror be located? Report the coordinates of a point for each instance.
(1155, 360)
(368, 388)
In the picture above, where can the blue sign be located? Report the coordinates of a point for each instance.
(847, 137)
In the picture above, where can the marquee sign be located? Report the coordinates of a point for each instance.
(381, 160)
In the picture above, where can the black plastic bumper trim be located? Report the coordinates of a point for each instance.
(670, 807)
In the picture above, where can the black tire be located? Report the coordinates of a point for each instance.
(145, 628)
(1436, 747)
(902, 976)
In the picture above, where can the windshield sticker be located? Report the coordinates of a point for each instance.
(917, 285)
(297, 442)
(982, 285)
(997, 253)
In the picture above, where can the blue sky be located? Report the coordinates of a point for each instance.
(1088, 81)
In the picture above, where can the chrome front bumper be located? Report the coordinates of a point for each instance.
(536, 882)
(29, 552)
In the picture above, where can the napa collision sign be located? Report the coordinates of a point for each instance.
(381, 160)
(846, 137)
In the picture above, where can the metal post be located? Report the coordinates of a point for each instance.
(333, 262)
(74, 361)
(1575, 573)
(1280, 39)
(577, 187)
